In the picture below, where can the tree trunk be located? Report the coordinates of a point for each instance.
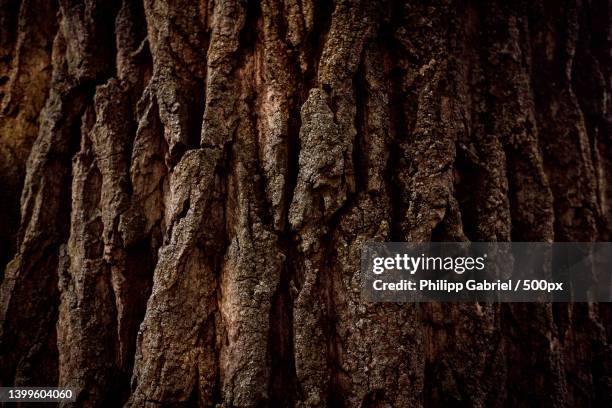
(186, 186)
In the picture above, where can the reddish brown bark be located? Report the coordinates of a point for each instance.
(186, 187)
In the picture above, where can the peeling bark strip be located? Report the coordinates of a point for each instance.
(185, 188)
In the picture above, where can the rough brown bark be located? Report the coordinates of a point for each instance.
(185, 187)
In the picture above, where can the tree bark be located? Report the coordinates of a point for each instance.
(185, 188)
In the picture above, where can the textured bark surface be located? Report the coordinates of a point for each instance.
(185, 187)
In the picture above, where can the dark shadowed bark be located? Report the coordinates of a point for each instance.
(185, 187)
